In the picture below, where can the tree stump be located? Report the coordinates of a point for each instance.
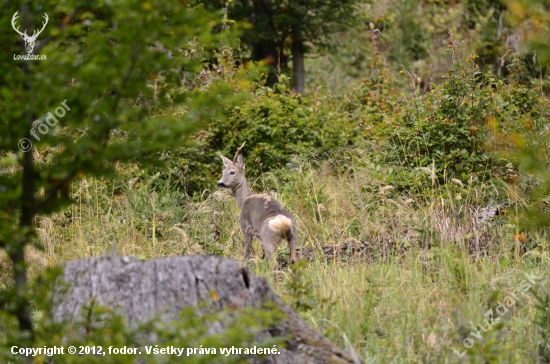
(142, 290)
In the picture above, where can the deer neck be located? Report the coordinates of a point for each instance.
(241, 192)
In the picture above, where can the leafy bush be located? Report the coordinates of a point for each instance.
(275, 124)
(444, 127)
(452, 129)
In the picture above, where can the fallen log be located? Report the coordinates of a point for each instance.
(143, 290)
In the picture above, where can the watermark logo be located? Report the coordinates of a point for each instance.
(492, 317)
(30, 40)
(43, 127)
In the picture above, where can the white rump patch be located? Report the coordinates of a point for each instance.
(279, 223)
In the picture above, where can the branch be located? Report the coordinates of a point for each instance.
(52, 193)
(63, 25)
(133, 60)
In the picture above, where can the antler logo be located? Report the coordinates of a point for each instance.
(29, 40)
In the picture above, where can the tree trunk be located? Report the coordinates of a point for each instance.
(140, 291)
(298, 60)
(17, 254)
(267, 48)
(28, 213)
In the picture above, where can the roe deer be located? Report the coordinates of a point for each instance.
(261, 216)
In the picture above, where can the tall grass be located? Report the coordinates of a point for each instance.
(428, 273)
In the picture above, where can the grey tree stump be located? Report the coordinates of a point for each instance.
(142, 290)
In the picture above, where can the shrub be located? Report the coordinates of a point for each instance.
(444, 127)
(275, 124)
(453, 128)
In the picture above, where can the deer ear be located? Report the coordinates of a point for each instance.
(240, 162)
(226, 161)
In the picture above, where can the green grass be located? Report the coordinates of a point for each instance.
(405, 311)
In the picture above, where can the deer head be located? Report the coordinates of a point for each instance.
(29, 40)
(233, 173)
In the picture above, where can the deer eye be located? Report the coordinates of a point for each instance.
(232, 172)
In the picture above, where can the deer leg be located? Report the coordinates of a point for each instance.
(269, 249)
(269, 240)
(247, 246)
(291, 237)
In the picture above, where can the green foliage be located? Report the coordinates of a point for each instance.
(444, 128)
(542, 321)
(99, 61)
(300, 288)
(536, 215)
(404, 25)
(451, 129)
(489, 15)
(534, 15)
(272, 28)
(375, 98)
(276, 124)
